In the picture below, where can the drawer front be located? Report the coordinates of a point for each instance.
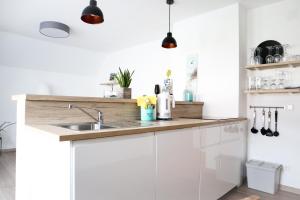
(210, 136)
(230, 132)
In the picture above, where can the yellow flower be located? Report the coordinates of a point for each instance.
(146, 101)
(169, 73)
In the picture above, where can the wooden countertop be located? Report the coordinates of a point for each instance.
(131, 128)
(30, 97)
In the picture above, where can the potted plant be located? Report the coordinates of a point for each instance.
(124, 79)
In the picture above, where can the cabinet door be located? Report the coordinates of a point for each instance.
(231, 157)
(178, 164)
(118, 168)
(243, 126)
(210, 185)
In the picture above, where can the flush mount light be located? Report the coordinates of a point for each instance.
(54, 29)
(92, 14)
(169, 42)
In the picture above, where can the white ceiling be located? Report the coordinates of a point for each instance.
(127, 22)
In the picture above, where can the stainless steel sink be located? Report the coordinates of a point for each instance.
(84, 126)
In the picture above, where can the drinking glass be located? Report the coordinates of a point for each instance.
(252, 83)
(258, 83)
(252, 56)
(281, 79)
(265, 83)
(286, 55)
(277, 56)
(269, 58)
(258, 59)
(273, 82)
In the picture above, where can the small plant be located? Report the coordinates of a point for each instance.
(124, 78)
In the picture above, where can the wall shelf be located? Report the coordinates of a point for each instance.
(274, 91)
(111, 83)
(274, 65)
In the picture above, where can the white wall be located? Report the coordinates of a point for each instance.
(214, 36)
(281, 22)
(32, 66)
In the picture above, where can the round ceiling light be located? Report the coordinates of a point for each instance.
(54, 29)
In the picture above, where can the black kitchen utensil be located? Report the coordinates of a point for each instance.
(253, 129)
(269, 132)
(265, 51)
(263, 130)
(276, 133)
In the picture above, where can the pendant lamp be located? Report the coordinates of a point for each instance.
(92, 14)
(169, 42)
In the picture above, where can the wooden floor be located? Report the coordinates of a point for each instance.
(8, 169)
(7, 175)
(244, 191)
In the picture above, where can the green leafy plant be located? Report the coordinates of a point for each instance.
(124, 78)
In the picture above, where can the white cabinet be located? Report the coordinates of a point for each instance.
(185, 164)
(230, 171)
(178, 164)
(210, 163)
(223, 153)
(118, 168)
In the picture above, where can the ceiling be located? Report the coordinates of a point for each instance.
(127, 22)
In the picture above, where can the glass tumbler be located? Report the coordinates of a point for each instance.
(258, 59)
(269, 58)
(277, 56)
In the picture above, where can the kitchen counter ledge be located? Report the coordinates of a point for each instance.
(52, 98)
(180, 123)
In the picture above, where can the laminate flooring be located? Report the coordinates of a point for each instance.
(7, 175)
(244, 191)
(8, 171)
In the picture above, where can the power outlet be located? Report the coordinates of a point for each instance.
(289, 107)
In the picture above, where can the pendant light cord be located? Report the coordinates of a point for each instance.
(169, 17)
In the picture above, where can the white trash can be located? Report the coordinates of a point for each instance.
(263, 176)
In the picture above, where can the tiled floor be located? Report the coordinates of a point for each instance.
(7, 184)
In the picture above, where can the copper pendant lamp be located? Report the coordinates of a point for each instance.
(169, 41)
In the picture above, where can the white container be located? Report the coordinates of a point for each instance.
(263, 176)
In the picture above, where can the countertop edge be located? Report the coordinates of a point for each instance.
(68, 135)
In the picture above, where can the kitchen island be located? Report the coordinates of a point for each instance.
(184, 158)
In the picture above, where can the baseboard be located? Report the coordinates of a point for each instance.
(284, 188)
(8, 150)
(290, 189)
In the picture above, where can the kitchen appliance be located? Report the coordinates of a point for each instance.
(165, 103)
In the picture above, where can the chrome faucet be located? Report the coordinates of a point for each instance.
(99, 120)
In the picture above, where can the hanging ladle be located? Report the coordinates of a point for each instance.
(253, 129)
(276, 133)
(269, 132)
(263, 130)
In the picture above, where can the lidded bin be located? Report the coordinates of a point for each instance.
(263, 176)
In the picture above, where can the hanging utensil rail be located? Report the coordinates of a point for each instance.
(267, 107)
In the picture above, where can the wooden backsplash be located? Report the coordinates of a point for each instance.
(56, 111)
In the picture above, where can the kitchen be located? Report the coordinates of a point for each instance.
(219, 35)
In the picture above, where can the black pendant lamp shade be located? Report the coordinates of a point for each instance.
(92, 14)
(169, 42)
